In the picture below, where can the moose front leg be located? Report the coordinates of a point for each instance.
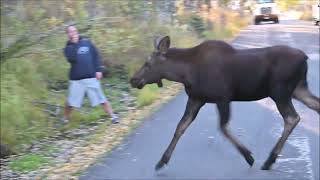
(192, 109)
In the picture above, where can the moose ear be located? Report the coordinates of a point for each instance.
(162, 44)
(156, 42)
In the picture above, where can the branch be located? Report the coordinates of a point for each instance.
(26, 41)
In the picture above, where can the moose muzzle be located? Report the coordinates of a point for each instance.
(140, 83)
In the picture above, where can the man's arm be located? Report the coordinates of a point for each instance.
(96, 59)
(70, 52)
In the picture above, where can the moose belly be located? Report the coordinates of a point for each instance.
(214, 95)
(249, 97)
(209, 92)
(250, 93)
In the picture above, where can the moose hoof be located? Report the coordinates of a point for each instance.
(247, 155)
(266, 167)
(250, 160)
(159, 165)
(272, 159)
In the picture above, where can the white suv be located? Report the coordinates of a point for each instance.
(265, 10)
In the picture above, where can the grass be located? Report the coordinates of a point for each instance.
(99, 132)
(147, 95)
(77, 174)
(28, 163)
(307, 16)
(21, 122)
(218, 34)
(234, 23)
(47, 150)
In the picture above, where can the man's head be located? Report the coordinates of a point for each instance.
(73, 34)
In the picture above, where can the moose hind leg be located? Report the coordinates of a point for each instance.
(291, 119)
(303, 94)
(224, 112)
(192, 109)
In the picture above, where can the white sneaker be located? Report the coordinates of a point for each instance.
(64, 120)
(114, 119)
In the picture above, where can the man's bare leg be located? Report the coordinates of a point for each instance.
(67, 112)
(108, 109)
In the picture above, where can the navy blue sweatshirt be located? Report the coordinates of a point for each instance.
(84, 59)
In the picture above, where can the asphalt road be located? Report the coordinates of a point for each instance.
(203, 152)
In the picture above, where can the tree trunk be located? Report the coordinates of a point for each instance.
(92, 8)
(4, 151)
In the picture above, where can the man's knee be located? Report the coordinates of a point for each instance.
(67, 105)
(105, 103)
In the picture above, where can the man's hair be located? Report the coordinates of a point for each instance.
(70, 25)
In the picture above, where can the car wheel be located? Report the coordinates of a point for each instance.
(256, 22)
(276, 21)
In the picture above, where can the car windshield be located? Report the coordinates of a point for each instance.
(264, 1)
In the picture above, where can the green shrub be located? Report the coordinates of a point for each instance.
(197, 24)
(28, 163)
(218, 34)
(21, 121)
(306, 15)
(147, 95)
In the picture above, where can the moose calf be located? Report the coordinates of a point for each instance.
(215, 72)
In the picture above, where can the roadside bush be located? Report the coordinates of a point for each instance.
(147, 95)
(196, 22)
(21, 121)
(307, 16)
(28, 163)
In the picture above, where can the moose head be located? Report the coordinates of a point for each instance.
(154, 68)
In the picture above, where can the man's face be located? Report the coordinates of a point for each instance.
(73, 34)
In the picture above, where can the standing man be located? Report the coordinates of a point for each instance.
(84, 74)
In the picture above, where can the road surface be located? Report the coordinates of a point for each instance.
(203, 152)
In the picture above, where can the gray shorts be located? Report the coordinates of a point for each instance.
(90, 87)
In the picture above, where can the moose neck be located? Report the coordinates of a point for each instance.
(178, 65)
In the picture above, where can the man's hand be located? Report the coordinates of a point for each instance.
(99, 75)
